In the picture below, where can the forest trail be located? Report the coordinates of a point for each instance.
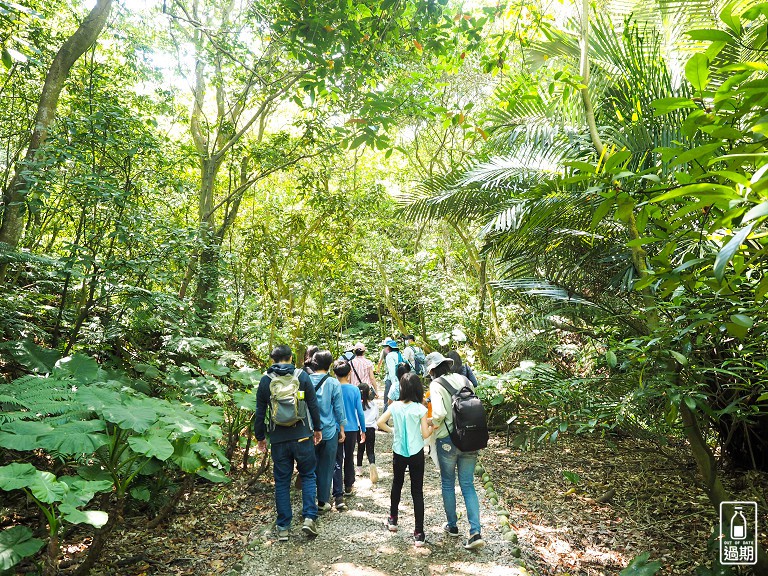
(355, 542)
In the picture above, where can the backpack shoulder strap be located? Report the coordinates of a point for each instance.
(354, 370)
(323, 379)
(444, 383)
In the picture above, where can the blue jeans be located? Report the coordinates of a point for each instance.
(326, 460)
(284, 454)
(450, 460)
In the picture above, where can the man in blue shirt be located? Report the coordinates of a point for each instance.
(290, 444)
(332, 422)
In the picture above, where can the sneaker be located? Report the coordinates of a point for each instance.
(323, 507)
(474, 542)
(392, 524)
(339, 502)
(282, 534)
(349, 490)
(419, 539)
(309, 527)
(452, 531)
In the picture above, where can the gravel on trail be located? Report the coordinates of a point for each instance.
(356, 542)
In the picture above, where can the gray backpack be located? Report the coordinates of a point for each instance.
(287, 406)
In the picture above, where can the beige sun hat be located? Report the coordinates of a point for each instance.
(434, 359)
(359, 346)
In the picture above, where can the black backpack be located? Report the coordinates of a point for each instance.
(470, 425)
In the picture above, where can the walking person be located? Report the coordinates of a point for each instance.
(453, 461)
(332, 422)
(309, 355)
(286, 393)
(389, 366)
(410, 428)
(371, 412)
(460, 368)
(362, 368)
(344, 471)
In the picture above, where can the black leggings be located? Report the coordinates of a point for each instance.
(345, 459)
(415, 465)
(370, 443)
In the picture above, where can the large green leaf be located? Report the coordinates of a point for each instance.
(186, 458)
(16, 543)
(136, 414)
(151, 445)
(697, 71)
(727, 251)
(72, 438)
(244, 400)
(213, 475)
(95, 518)
(47, 489)
(96, 398)
(82, 368)
(213, 368)
(17, 475)
(756, 212)
(247, 376)
(81, 491)
(23, 435)
(32, 356)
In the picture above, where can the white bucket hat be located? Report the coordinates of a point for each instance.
(434, 359)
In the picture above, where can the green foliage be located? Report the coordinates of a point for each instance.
(16, 543)
(639, 566)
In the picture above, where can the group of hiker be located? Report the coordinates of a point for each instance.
(339, 413)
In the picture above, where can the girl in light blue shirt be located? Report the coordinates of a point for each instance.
(410, 428)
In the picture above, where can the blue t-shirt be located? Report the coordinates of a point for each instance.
(407, 439)
(353, 408)
(330, 404)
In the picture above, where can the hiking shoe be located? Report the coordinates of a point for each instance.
(452, 531)
(475, 541)
(419, 539)
(349, 490)
(309, 527)
(282, 534)
(392, 524)
(323, 507)
(339, 501)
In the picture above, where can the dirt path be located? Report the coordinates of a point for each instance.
(355, 542)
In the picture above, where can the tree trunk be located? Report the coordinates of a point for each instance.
(705, 462)
(101, 537)
(14, 198)
(186, 487)
(51, 561)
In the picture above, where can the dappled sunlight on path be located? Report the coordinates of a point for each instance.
(355, 542)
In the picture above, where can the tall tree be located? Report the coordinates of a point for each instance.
(14, 196)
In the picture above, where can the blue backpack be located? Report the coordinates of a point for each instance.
(421, 360)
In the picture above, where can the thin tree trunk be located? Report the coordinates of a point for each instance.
(15, 195)
(589, 110)
(100, 538)
(170, 506)
(705, 462)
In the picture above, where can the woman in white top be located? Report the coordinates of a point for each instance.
(451, 460)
